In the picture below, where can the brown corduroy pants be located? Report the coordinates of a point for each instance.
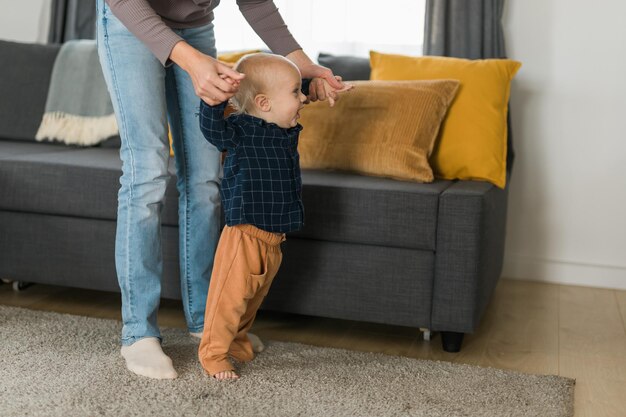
(246, 261)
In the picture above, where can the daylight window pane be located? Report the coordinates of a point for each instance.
(334, 26)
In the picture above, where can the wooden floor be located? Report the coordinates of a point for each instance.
(530, 327)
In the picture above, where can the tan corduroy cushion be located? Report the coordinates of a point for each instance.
(473, 139)
(380, 128)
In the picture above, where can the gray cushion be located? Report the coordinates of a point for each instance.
(339, 207)
(9, 148)
(112, 142)
(24, 80)
(71, 182)
(350, 68)
(345, 207)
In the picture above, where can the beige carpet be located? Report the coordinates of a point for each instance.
(61, 365)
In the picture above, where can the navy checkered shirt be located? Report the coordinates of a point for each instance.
(261, 184)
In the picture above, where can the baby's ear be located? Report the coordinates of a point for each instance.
(262, 102)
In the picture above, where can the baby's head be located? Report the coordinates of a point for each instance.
(270, 89)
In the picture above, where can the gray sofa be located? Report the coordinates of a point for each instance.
(426, 256)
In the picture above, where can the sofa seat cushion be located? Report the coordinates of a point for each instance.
(339, 206)
(70, 182)
(10, 148)
(351, 208)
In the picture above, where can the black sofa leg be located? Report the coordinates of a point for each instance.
(451, 341)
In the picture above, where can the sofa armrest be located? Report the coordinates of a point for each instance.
(468, 258)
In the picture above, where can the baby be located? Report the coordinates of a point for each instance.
(261, 195)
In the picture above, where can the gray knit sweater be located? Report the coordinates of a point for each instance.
(152, 21)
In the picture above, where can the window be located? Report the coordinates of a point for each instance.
(346, 27)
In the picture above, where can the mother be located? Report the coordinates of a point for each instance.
(158, 57)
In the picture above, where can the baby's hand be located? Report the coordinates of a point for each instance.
(230, 80)
(320, 89)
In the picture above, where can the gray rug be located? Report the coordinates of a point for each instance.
(62, 365)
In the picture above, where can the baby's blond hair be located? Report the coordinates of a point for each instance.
(259, 69)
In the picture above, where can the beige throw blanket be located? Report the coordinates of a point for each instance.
(78, 107)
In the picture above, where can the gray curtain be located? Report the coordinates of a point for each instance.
(72, 19)
(464, 28)
(469, 29)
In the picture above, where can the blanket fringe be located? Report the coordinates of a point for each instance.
(76, 130)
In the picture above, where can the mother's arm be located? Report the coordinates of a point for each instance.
(206, 72)
(264, 18)
(208, 75)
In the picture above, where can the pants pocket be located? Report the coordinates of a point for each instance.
(256, 281)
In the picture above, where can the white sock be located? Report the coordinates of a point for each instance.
(257, 344)
(146, 358)
(255, 341)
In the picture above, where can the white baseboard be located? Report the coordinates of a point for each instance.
(564, 272)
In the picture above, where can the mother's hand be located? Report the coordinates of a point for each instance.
(213, 81)
(317, 89)
(320, 89)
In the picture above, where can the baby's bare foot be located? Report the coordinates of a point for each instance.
(220, 376)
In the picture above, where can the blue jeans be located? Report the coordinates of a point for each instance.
(146, 96)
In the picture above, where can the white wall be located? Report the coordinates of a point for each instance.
(25, 21)
(567, 208)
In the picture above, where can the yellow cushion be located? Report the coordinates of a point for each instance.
(472, 140)
(380, 128)
(232, 57)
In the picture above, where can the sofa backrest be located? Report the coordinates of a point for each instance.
(24, 79)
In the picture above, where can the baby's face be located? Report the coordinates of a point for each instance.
(286, 97)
